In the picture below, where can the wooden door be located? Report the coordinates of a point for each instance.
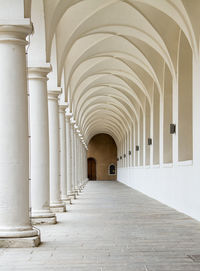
(91, 169)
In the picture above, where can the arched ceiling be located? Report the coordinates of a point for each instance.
(113, 54)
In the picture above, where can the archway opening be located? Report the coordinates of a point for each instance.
(112, 169)
(103, 149)
(91, 169)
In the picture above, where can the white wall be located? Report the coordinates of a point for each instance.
(176, 186)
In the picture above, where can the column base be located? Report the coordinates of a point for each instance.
(67, 201)
(46, 218)
(25, 242)
(77, 191)
(75, 195)
(58, 208)
(71, 197)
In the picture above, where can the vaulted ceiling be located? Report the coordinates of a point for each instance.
(111, 55)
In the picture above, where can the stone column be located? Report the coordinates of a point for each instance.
(73, 158)
(39, 146)
(70, 193)
(80, 159)
(84, 165)
(15, 227)
(63, 173)
(56, 205)
(77, 160)
(86, 170)
(80, 162)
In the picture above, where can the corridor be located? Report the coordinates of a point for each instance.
(112, 227)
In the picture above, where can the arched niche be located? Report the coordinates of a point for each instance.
(136, 144)
(185, 135)
(112, 169)
(147, 133)
(141, 146)
(168, 101)
(156, 126)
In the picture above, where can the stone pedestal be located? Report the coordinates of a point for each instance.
(67, 201)
(46, 218)
(58, 208)
(20, 242)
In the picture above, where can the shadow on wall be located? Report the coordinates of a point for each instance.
(102, 158)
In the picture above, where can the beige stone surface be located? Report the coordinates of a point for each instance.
(112, 227)
(102, 148)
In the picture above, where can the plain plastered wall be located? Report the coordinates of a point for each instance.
(177, 187)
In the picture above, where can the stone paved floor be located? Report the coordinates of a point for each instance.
(112, 227)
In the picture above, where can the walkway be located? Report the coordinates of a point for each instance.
(112, 227)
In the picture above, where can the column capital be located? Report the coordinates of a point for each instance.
(73, 122)
(62, 108)
(53, 94)
(75, 126)
(39, 73)
(78, 133)
(76, 129)
(15, 31)
(68, 116)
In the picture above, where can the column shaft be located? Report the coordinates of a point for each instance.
(56, 204)
(68, 157)
(73, 158)
(39, 146)
(63, 165)
(75, 163)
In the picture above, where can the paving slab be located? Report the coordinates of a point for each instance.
(111, 227)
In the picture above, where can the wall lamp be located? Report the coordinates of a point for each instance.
(172, 128)
(129, 152)
(120, 157)
(149, 141)
(137, 148)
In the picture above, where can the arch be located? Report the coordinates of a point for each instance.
(168, 103)
(156, 127)
(185, 119)
(112, 169)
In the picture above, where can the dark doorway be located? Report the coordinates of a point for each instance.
(91, 169)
